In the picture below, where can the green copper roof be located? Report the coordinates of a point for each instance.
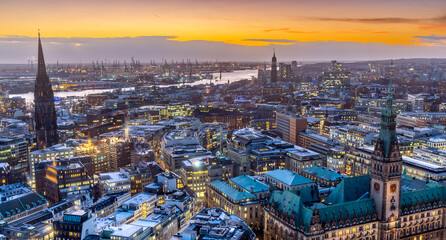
(247, 182)
(348, 210)
(291, 204)
(288, 177)
(324, 173)
(232, 192)
(429, 192)
(349, 189)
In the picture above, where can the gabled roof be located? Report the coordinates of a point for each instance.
(349, 189)
(232, 192)
(247, 183)
(288, 177)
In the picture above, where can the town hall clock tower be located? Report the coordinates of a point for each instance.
(385, 174)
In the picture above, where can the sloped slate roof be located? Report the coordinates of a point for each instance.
(349, 189)
(20, 204)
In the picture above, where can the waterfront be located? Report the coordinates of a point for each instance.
(225, 77)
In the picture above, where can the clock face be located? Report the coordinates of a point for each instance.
(393, 188)
(377, 186)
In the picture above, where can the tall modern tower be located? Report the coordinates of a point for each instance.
(386, 169)
(274, 68)
(44, 110)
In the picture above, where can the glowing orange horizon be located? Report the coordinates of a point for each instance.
(235, 22)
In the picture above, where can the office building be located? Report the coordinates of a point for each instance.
(76, 225)
(301, 158)
(14, 151)
(290, 126)
(114, 182)
(58, 151)
(64, 177)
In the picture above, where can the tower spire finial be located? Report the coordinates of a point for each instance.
(391, 76)
(274, 52)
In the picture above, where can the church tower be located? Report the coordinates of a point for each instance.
(44, 110)
(274, 68)
(386, 168)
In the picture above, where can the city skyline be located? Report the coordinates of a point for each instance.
(227, 31)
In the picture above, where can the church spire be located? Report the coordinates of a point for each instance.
(274, 67)
(41, 69)
(44, 109)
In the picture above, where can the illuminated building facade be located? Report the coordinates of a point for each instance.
(95, 100)
(264, 124)
(141, 175)
(372, 104)
(63, 178)
(351, 136)
(7, 104)
(194, 173)
(14, 151)
(336, 77)
(58, 151)
(180, 145)
(114, 182)
(211, 135)
(243, 204)
(300, 158)
(74, 226)
(335, 159)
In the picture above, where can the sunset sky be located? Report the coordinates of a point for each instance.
(226, 29)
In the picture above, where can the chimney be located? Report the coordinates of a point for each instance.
(252, 189)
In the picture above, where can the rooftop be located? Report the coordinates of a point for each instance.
(125, 230)
(248, 183)
(324, 173)
(288, 177)
(232, 193)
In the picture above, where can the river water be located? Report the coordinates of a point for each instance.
(225, 76)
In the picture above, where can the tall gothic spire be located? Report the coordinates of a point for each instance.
(274, 67)
(41, 69)
(44, 109)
